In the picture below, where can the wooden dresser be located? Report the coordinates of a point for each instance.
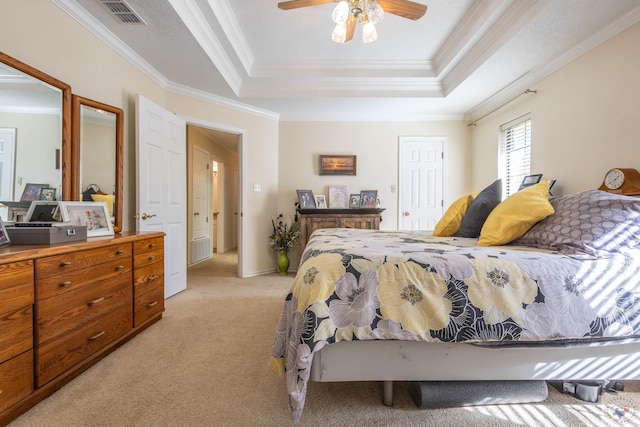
(314, 219)
(64, 307)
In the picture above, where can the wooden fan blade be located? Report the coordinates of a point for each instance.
(295, 4)
(404, 8)
(351, 27)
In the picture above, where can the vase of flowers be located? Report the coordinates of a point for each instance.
(283, 238)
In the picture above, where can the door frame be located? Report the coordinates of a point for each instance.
(242, 167)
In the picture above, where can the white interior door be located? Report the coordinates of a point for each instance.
(201, 179)
(161, 185)
(7, 162)
(421, 182)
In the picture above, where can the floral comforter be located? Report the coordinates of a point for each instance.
(374, 285)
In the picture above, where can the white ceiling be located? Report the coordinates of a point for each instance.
(461, 60)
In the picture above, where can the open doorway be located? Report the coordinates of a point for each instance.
(221, 213)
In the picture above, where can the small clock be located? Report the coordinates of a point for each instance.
(614, 179)
(622, 181)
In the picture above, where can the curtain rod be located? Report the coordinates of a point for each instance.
(473, 123)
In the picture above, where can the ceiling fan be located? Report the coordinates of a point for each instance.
(368, 12)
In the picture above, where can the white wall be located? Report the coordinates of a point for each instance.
(583, 119)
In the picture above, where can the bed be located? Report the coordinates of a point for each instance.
(561, 301)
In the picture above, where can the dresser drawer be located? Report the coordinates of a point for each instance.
(50, 286)
(147, 305)
(74, 261)
(55, 357)
(63, 313)
(17, 333)
(16, 285)
(148, 278)
(148, 251)
(16, 379)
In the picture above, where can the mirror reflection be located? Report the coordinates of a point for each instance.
(97, 135)
(32, 131)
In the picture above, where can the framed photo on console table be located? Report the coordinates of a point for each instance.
(4, 237)
(95, 215)
(306, 199)
(368, 198)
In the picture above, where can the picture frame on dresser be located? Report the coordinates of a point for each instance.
(338, 197)
(4, 237)
(354, 201)
(368, 198)
(45, 211)
(94, 215)
(32, 192)
(306, 199)
(321, 201)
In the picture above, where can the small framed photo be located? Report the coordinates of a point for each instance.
(321, 201)
(95, 215)
(337, 165)
(529, 180)
(4, 237)
(32, 192)
(338, 196)
(47, 194)
(305, 197)
(45, 211)
(368, 198)
(354, 201)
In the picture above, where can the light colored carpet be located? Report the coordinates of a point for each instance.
(205, 364)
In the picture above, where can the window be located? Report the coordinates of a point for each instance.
(515, 153)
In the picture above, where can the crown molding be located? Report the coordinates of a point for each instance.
(341, 68)
(107, 37)
(511, 21)
(231, 28)
(221, 101)
(503, 97)
(206, 38)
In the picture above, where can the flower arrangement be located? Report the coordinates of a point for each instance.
(284, 236)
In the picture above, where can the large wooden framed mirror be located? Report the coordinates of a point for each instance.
(35, 135)
(97, 134)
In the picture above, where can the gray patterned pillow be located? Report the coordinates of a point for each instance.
(593, 223)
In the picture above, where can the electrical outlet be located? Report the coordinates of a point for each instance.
(393, 188)
(256, 188)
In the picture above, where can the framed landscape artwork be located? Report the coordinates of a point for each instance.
(337, 165)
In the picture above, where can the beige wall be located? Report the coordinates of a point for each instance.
(582, 119)
(40, 34)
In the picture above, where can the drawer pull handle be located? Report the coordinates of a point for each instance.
(65, 284)
(151, 245)
(96, 301)
(65, 264)
(119, 252)
(152, 278)
(96, 336)
(152, 257)
(120, 267)
(151, 304)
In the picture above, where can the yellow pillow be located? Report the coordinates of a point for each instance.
(449, 224)
(109, 198)
(516, 215)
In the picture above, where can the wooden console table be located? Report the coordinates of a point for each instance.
(314, 219)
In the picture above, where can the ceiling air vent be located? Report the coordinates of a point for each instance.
(121, 11)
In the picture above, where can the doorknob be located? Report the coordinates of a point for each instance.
(145, 216)
(407, 214)
(196, 213)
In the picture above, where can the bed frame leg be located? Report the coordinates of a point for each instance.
(387, 393)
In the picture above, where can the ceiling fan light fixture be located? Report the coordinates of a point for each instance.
(339, 34)
(341, 12)
(375, 13)
(369, 32)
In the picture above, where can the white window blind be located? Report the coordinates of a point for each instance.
(516, 153)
